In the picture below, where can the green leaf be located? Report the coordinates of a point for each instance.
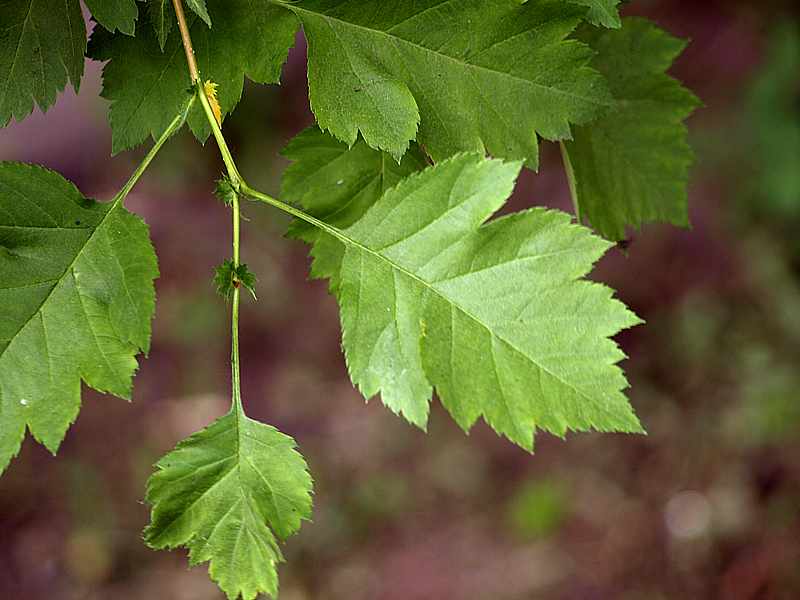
(229, 493)
(496, 317)
(337, 185)
(631, 166)
(77, 296)
(115, 14)
(472, 75)
(602, 12)
(162, 16)
(147, 86)
(41, 46)
(199, 8)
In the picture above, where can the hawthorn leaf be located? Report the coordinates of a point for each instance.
(631, 166)
(337, 184)
(114, 15)
(496, 317)
(230, 493)
(146, 85)
(199, 8)
(456, 75)
(162, 16)
(602, 12)
(42, 44)
(77, 295)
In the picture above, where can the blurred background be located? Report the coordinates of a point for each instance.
(706, 506)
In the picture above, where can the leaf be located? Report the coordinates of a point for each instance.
(472, 75)
(41, 46)
(229, 493)
(494, 316)
(199, 8)
(162, 16)
(146, 86)
(77, 296)
(337, 185)
(115, 14)
(227, 277)
(631, 166)
(602, 12)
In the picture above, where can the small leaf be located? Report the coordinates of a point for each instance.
(229, 277)
(199, 8)
(77, 296)
(225, 191)
(229, 494)
(162, 16)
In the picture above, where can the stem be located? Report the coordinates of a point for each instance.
(573, 185)
(176, 124)
(235, 375)
(187, 41)
(227, 157)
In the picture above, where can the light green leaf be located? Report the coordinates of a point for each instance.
(337, 185)
(162, 16)
(115, 14)
(631, 166)
(472, 75)
(199, 8)
(77, 297)
(42, 44)
(229, 493)
(147, 86)
(496, 317)
(602, 12)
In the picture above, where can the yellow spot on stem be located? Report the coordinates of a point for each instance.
(210, 89)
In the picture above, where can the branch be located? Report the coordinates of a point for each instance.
(187, 41)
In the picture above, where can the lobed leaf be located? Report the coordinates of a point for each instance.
(602, 12)
(77, 296)
(631, 166)
(229, 493)
(495, 316)
(456, 75)
(42, 44)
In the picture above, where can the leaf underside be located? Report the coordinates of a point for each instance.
(77, 296)
(494, 316)
(229, 493)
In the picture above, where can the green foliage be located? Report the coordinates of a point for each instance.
(436, 294)
(470, 75)
(337, 185)
(162, 17)
(41, 46)
(431, 297)
(228, 277)
(148, 86)
(229, 493)
(77, 297)
(115, 14)
(631, 166)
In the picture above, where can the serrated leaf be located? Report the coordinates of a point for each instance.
(162, 17)
(114, 15)
(602, 12)
(77, 295)
(495, 316)
(199, 8)
(337, 184)
(631, 166)
(229, 493)
(482, 75)
(42, 44)
(146, 86)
